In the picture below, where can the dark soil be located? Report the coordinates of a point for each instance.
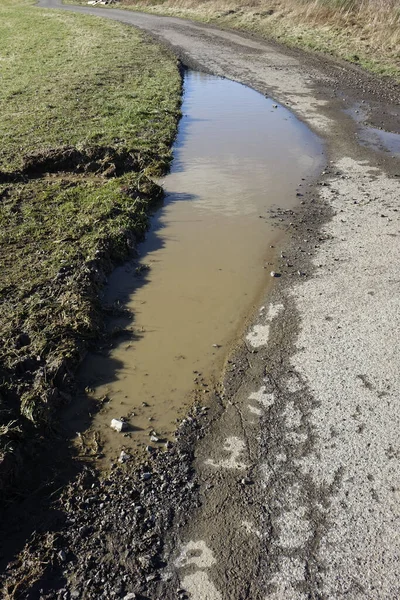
(103, 538)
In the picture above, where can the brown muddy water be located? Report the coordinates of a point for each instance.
(236, 156)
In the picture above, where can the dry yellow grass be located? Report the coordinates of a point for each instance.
(363, 31)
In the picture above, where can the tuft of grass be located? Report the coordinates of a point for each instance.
(365, 32)
(89, 110)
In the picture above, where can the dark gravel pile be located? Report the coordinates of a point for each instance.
(109, 538)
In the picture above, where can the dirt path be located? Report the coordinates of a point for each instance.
(297, 473)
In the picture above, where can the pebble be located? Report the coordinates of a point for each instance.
(62, 556)
(246, 481)
(118, 425)
(146, 476)
(123, 457)
(274, 274)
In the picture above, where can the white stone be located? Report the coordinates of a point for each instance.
(118, 425)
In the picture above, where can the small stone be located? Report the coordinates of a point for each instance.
(274, 274)
(274, 106)
(85, 530)
(62, 556)
(246, 481)
(130, 596)
(146, 476)
(118, 425)
(123, 457)
(154, 439)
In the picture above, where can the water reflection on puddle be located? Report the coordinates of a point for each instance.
(236, 156)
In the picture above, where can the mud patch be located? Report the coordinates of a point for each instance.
(374, 137)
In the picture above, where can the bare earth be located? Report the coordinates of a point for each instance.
(298, 469)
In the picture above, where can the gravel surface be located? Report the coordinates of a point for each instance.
(288, 487)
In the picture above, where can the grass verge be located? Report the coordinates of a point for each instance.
(89, 110)
(365, 32)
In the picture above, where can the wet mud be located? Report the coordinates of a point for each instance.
(374, 137)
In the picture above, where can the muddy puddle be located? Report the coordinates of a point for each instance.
(205, 261)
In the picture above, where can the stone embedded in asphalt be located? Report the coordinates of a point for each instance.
(246, 481)
(118, 425)
(146, 476)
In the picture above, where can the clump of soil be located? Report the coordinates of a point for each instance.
(107, 161)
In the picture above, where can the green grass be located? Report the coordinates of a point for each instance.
(75, 80)
(89, 110)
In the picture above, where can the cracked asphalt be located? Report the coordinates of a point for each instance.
(298, 469)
